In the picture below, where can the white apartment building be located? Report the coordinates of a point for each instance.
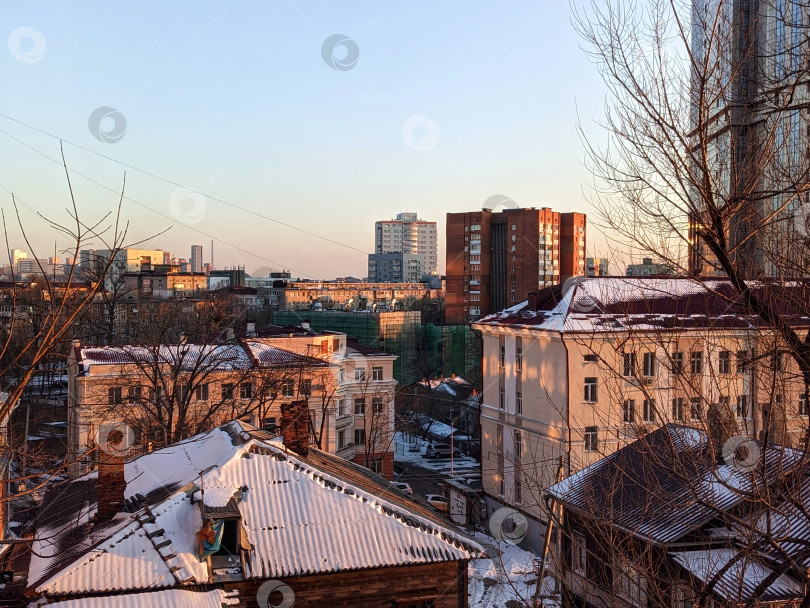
(570, 376)
(414, 239)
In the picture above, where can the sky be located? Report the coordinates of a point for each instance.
(236, 120)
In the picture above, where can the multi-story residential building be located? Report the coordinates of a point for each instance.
(125, 260)
(166, 392)
(161, 282)
(648, 268)
(749, 102)
(574, 374)
(495, 258)
(596, 267)
(415, 244)
(196, 258)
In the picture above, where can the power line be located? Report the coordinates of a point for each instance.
(179, 185)
(148, 208)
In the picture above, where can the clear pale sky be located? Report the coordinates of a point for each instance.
(447, 104)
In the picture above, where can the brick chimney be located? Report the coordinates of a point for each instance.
(111, 481)
(295, 426)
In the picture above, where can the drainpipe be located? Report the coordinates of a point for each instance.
(567, 406)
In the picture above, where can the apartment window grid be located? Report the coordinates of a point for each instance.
(501, 399)
(502, 356)
(591, 395)
(360, 437)
(245, 390)
(591, 438)
(227, 391)
(518, 445)
(377, 405)
(579, 555)
(696, 362)
(677, 409)
(629, 411)
(648, 365)
(519, 359)
(519, 403)
(201, 392)
(359, 406)
(677, 362)
(804, 401)
(629, 367)
(724, 362)
(376, 373)
(742, 361)
(742, 406)
(649, 410)
(695, 408)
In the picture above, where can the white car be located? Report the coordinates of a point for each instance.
(438, 502)
(402, 487)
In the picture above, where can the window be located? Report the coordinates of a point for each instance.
(376, 373)
(502, 355)
(377, 405)
(519, 359)
(696, 362)
(629, 364)
(631, 584)
(269, 424)
(288, 388)
(341, 439)
(803, 404)
(677, 408)
(360, 375)
(592, 358)
(519, 403)
(359, 436)
(227, 391)
(306, 387)
(742, 361)
(501, 485)
(518, 445)
(677, 362)
(649, 410)
(695, 409)
(375, 464)
(341, 407)
(518, 488)
(629, 413)
(201, 392)
(114, 395)
(578, 554)
(501, 399)
(590, 390)
(134, 392)
(724, 362)
(742, 406)
(591, 438)
(359, 406)
(184, 390)
(245, 390)
(649, 364)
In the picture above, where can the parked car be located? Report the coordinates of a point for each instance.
(414, 447)
(441, 450)
(402, 487)
(438, 502)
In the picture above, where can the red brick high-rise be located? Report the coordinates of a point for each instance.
(495, 259)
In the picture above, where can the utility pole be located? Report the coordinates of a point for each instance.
(538, 600)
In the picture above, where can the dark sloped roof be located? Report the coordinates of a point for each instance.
(666, 484)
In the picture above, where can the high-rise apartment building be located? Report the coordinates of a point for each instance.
(748, 111)
(596, 267)
(405, 249)
(495, 259)
(196, 258)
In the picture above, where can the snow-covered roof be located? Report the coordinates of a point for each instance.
(181, 356)
(610, 304)
(270, 355)
(168, 598)
(738, 575)
(297, 518)
(666, 484)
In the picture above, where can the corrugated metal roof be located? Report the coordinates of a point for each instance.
(279, 357)
(298, 519)
(737, 575)
(169, 598)
(666, 484)
(609, 304)
(182, 356)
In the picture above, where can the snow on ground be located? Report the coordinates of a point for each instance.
(507, 578)
(461, 465)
